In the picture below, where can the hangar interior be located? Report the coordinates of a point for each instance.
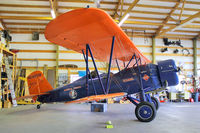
(160, 29)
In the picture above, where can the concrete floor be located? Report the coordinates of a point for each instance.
(77, 118)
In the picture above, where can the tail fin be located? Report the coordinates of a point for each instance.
(38, 84)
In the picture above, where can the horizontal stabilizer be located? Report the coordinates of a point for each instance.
(29, 96)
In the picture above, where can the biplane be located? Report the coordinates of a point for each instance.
(94, 34)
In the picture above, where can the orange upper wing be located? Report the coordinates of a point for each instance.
(75, 29)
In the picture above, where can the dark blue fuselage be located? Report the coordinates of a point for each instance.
(131, 80)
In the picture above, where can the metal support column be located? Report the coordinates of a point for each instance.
(45, 69)
(195, 60)
(153, 50)
(57, 65)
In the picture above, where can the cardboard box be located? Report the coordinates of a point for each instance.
(98, 107)
(7, 104)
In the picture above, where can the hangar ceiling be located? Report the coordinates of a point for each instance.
(159, 18)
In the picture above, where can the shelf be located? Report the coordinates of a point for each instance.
(12, 57)
(11, 66)
(6, 51)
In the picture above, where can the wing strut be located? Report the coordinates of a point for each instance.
(89, 74)
(88, 50)
(110, 61)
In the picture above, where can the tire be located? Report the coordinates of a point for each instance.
(155, 102)
(145, 112)
(38, 106)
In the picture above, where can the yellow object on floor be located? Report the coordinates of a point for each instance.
(109, 126)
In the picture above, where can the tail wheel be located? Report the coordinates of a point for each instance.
(155, 102)
(145, 112)
(38, 106)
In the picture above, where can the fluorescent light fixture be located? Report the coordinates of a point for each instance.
(124, 19)
(53, 14)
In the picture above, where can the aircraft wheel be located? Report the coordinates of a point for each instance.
(145, 112)
(155, 102)
(38, 106)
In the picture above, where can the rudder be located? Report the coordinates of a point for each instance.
(38, 84)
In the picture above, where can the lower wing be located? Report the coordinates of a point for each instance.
(96, 97)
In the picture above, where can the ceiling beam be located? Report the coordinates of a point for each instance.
(68, 7)
(144, 23)
(19, 23)
(116, 9)
(165, 7)
(130, 8)
(176, 1)
(23, 5)
(102, 2)
(54, 6)
(110, 3)
(133, 11)
(24, 32)
(191, 26)
(167, 19)
(182, 23)
(121, 9)
(26, 29)
(131, 17)
(178, 35)
(25, 18)
(182, 8)
(105, 9)
(24, 12)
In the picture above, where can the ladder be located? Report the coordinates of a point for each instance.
(10, 82)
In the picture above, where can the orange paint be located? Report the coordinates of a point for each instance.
(145, 77)
(97, 97)
(127, 80)
(76, 28)
(38, 85)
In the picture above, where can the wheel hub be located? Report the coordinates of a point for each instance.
(145, 112)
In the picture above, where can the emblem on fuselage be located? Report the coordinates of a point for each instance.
(72, 94)
(145, 77)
